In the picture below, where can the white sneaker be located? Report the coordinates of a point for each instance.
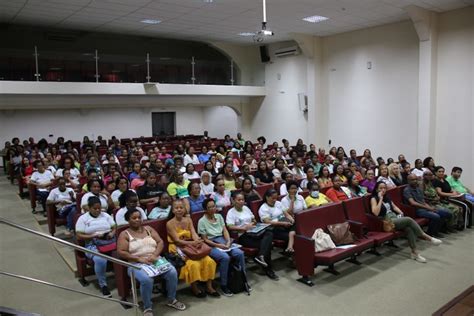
(436, 241)
(418, 258)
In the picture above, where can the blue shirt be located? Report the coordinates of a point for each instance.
(196, 204)
(203, 158)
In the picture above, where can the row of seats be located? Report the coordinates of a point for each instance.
(367, 229)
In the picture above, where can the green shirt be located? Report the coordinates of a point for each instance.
(456, 185)
(180, 190)
(211, 230)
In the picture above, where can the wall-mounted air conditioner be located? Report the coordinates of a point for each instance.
(287, 51)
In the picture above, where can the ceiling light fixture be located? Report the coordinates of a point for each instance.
(246, 34)
(261, 34)
(150, 21)
(315, 18)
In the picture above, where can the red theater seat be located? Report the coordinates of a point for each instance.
(373, 226)
(306, 223)
(54, 219)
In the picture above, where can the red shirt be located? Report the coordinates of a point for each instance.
(336, 195)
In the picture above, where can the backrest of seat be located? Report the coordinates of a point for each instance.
(225, 210)
(195, 217)
(355, 210)
(254, 207)
(396, 194)
(199, 167)
(160, 226)
(78, 201)
(308, 221)
(278, 185)
(150, 206)
(261, 189)
(366, 201)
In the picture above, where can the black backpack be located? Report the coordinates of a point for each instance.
(237, 280)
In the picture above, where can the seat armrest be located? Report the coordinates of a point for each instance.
(304, 255)
(375, 223)
(51, 216)
(357, 228)
(32, 191)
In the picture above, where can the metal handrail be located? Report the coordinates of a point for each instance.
(77, 247)
(82, 249)
(22, 277)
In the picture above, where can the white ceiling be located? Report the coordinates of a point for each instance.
(220, 20)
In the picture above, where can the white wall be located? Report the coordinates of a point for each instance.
(455, 102)
(221, 120)
(279, 115)
(373, 108)
(71, 124)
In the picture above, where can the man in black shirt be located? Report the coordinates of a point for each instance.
(148, 192)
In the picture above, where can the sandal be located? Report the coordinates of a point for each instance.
(213, 294)
(289, 251)
(200, 294)
(177, 305)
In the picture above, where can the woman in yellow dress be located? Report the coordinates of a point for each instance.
(181, 232)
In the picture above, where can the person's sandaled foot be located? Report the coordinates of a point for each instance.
(200, 294)
(177, 305)
(213, 293)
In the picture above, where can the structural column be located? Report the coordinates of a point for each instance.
(317, 115)
(425, 23)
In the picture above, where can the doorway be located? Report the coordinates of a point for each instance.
(163, 123)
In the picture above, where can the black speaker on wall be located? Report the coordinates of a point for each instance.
(264, 57)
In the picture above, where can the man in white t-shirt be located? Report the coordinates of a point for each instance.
(64, 199)
(42, 178)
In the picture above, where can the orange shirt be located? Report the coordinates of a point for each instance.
(336, 195)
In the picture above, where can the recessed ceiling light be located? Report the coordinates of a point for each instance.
(246, 34)
(315, 18)
(150, 21)
(208, 1)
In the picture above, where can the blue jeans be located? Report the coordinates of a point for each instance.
(100, 265)
(41, 196)
(469, 197)
(68, 212)
(146, 285)
(223, 259)
(435, 218)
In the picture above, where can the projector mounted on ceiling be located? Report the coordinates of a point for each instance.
(261, 34)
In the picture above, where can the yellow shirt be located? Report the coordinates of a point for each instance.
(229, 185)
(322, 199)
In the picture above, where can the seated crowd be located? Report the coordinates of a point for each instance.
(97, 186)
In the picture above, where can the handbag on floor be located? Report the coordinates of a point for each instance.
(340, 233)
(322, 241)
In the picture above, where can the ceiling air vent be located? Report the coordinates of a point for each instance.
(62, 36)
